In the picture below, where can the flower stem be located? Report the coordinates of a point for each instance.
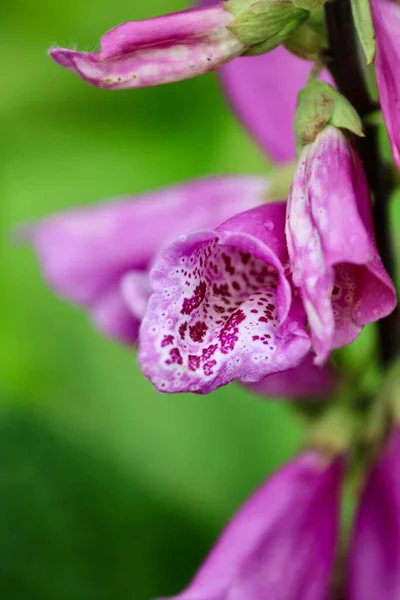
(344, 64)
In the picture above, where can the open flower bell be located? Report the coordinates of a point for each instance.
(223, 307)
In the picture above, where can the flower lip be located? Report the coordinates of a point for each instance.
(219, 312)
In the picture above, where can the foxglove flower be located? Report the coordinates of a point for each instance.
(333, 256)
(222, 307)
(99, 256)
(374, 570)
(386, 16)
(281, 544)
(156, 51)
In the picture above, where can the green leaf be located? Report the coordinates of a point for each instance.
(365, 27)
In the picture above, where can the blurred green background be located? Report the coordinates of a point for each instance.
(108, 490)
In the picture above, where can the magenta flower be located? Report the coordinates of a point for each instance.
(281, 544)
(156, 51)
(386, 16)
(333, 256)
(374, 570)
(99, 256)
(222, 307)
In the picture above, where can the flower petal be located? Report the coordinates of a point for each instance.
(157, 51)
(281, 543)
(331, 244)
(86, 252)
(222, 307)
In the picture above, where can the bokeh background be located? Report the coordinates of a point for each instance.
(108, 490)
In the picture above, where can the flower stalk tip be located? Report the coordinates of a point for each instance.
(262, 25)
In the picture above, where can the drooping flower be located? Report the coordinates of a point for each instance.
(281, 544)
(99, 256)
(222, 307)
(386, 16)
(374, 561)
(156, 51)
(333, 255)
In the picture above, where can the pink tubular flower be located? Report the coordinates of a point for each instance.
(386, 16)
(281, 544)
(374, 570)
(99, 256)
(156, 51)
(329, 230)
(222, 307)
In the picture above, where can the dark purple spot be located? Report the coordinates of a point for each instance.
(208, 352)
(207, 367)
(228, 264)
(194, 362)
(167, 340)
(182, 329)
(198, 331)
(229, 333)
(175, 357)
(221, 290)
(264, 320)
(190, 304)
(219, 309)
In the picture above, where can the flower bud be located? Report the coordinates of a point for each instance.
(320, 105)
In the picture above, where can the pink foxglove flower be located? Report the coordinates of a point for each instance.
(374, 571)
(156, 51)
(281, 544)
(223, 307)
(99, 256)
(386, 16)
(333, 256)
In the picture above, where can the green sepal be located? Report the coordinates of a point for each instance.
(305, 42)
(320, 105)
(262, 25)
(365, 27)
